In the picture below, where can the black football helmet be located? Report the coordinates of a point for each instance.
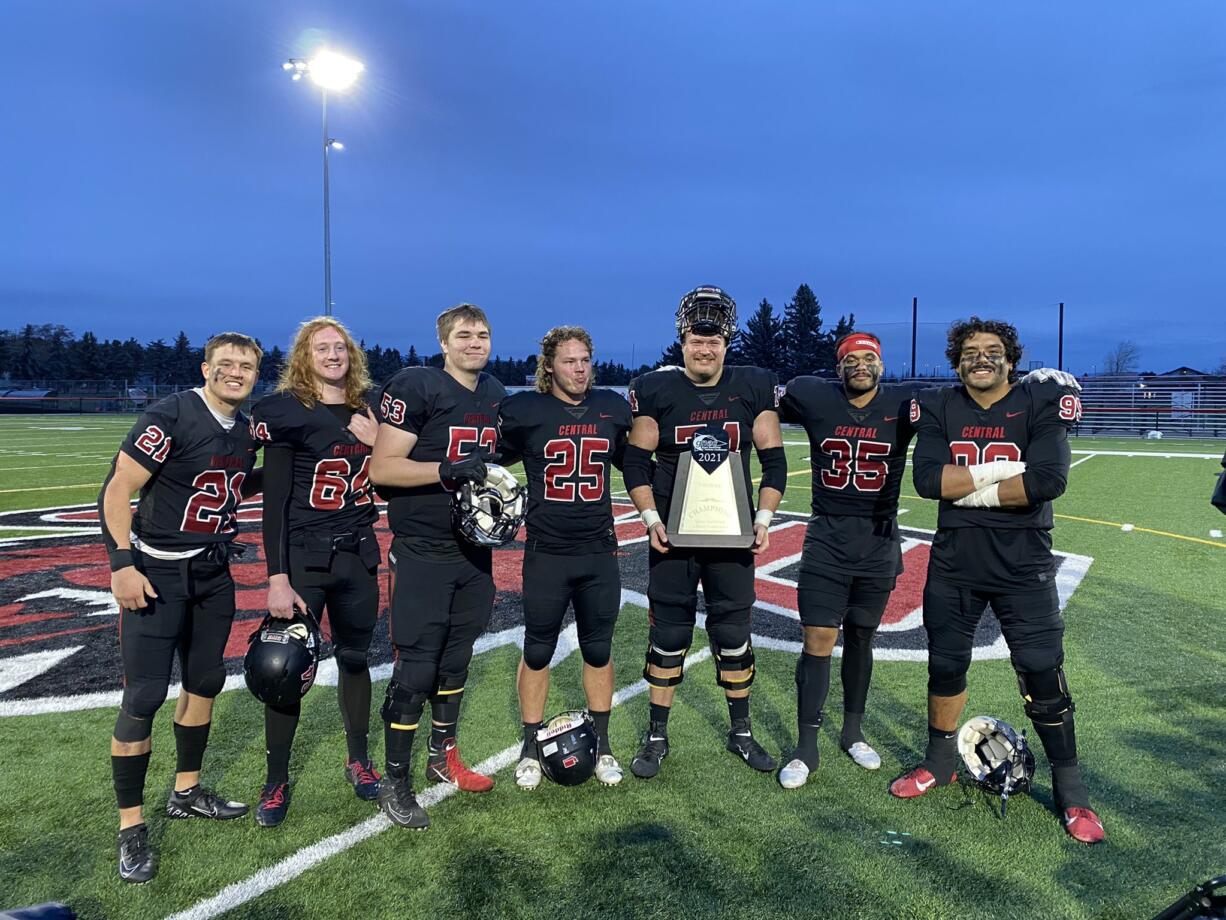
(998, 758)
(566, 748)
(707, 310)
(490, 513)
(282, 659)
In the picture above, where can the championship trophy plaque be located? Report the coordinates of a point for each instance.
(710, 506)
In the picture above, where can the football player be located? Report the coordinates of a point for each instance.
(567, 434)
(671, 406)
(436, 428)
(996, 455)
(189, 456)
(319, 542)
(858, 437)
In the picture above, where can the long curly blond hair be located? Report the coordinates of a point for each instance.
(298, 376)
(549, 350)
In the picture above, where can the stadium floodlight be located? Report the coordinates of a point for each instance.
(329, 71)
(332, 71)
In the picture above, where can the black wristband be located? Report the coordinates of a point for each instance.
(120, 559)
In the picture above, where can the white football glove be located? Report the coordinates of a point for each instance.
(1042, 374)
(984, 474)
(987, 497)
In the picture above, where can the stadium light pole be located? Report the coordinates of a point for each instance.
(329, 71)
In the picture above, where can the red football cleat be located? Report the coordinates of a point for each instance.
(445, 766)
(915, 783)
(1083, 825)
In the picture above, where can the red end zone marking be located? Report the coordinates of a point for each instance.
(908, 592)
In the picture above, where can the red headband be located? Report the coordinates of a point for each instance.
(858, 342)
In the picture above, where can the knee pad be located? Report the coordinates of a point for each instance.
(450, 684)
(538, 652)
(730, 661)
(670, 636)
(727, 635)
(858, 635)
(129, 728)
(664, 660)
(596, 654)
(141, 701)
(403, 706)
(947, 673)
(415, 675)
(351, 660)
(1046, 695)
(208, 684)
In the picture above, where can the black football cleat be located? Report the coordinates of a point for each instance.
(654, 749)
(198, 802)
(274, 803)
(364, 778)
(742, 743)
(136, 861)
(397, 801)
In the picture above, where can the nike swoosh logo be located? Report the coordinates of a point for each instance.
(126, 870)
(1014, 414)
(733, 398)
(891, 418)
(605, 415)
(924, 786)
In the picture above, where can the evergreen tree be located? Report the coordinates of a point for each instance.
(157, 361)
(27, 365)
(85, 360)
(806, 347)
(185, 361)
(270, 367)
(412, 359)
(761, 344)
(845, 326)
(672, 355)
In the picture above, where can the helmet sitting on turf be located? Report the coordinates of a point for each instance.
(707, 310)
(998, 758)
(491, 513)
(282, 658)
(567, 748)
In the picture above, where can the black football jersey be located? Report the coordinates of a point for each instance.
(682, 409)
(198, 470)
(330, 490)
(1011, 547)
(858, 455)
(566, 453)
(450, 422)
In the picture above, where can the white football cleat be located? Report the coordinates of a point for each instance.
(864, 756)
(608, 770)
(528, 773)
(795, 773)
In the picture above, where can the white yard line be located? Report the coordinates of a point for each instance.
(1082, 460)
(295, 865)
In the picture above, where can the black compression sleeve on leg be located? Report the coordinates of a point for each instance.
(190, 742)
(128, 775)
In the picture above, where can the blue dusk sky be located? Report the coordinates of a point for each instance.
(580, 162)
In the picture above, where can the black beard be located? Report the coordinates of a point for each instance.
(860, 386)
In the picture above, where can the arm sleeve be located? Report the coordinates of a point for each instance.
(931, 448)
(279, 462)
(1048, 455)
(639, 397)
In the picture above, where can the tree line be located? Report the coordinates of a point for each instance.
(791, 343)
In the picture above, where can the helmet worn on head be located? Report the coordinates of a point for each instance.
(998, 758)
(490, 513)
(707, 310)
(282, 658)
(567, 748)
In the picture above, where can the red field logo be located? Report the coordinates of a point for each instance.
(59, 642)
